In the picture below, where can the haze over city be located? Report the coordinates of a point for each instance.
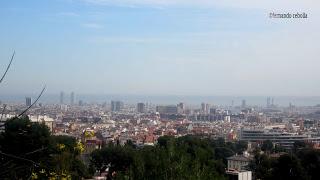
(151, 47)
(160, 89)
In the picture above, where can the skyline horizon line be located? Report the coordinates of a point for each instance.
(159, 94)
(163, 99)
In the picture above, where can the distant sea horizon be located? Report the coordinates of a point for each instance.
(168, 99)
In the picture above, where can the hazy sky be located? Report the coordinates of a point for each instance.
(176, 47)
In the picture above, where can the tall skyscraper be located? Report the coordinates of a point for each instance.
(181, 108)
(268, 102)
(80, 103)
(72, 98)
(28, 101)
(243, 104)
(213, 110)
(141, 107)
(113, 105)
(169, 109)
(205, 108)
(61, 97)
(116, 105)
(181, 105)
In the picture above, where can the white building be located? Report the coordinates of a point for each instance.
(43, 119)
(238, 162)
(237, 166)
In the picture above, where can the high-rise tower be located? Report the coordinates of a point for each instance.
(61, 97)
(141, 107)
(72, 98)
(28, 101)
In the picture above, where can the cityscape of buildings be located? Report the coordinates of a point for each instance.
(118, 122)
(142, 123)
(233, 77)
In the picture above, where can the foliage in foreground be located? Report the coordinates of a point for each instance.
(172, 158)
(303, 163)
(28, 151)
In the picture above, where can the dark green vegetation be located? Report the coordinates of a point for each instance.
(302, 163)
(28, 151)
(186, 157)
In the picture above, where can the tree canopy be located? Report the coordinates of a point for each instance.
(28, 150)
(186, 157)
(303, 164)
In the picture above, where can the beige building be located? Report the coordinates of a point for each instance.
(238, 162)
(43, 119)
(237, 166)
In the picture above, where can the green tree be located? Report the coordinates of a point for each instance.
(310, 161)
(261, 165)
(267, 146)
(24, 147)
(288, 167)
(172, 158)
(240, 146)
(116, 158)
(299, 145)
(28, 150)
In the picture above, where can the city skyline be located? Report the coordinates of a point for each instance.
(261, 101)
(159, 89)
(204, 48)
